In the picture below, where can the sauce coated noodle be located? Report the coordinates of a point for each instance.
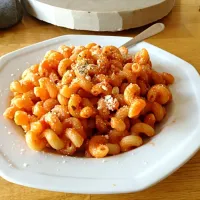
(96, 100)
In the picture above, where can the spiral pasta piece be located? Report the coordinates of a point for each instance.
(89, 100)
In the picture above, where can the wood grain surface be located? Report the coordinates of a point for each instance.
(182, 38)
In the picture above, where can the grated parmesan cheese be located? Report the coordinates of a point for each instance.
(110, 102)
(104, 87)
(83, 67)
(87, 77)
(99, 107)
(107, 136)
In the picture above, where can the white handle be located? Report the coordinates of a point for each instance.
(152, 30)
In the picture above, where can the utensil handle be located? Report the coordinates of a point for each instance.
(152, 30)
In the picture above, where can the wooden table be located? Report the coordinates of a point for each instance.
(182, 38)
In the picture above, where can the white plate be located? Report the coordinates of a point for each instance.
(176, 141)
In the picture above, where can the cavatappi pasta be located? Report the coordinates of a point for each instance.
(91, 99)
